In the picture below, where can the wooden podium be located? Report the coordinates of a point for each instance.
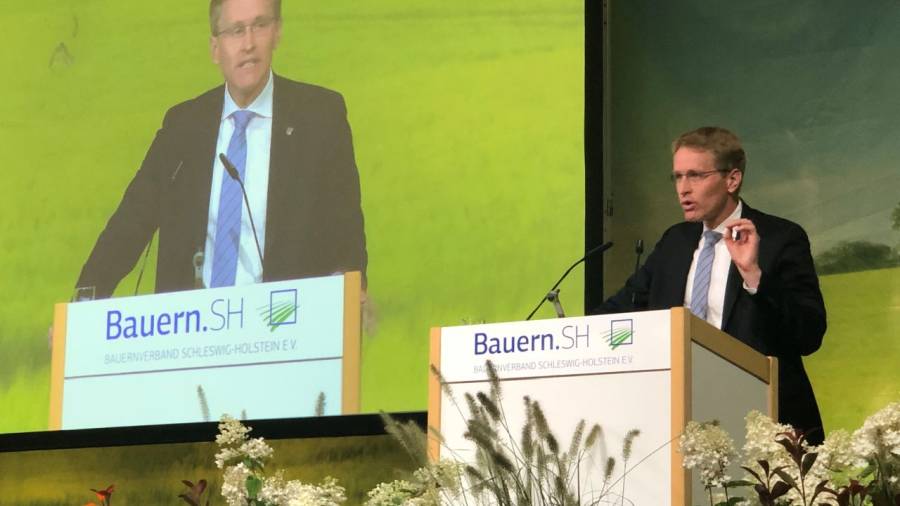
(653, 371)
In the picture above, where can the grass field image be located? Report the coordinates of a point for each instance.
(467, 127)
(855, 372)
(151, 475)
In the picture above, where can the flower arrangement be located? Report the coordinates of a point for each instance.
(535, 469)
(243, 460)
(856, 469)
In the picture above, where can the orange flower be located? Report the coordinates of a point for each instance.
(104, 494)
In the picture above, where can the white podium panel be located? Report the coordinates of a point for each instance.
(267, 350)
(645, 371)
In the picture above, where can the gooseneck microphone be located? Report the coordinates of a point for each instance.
(553, 294)
(638, 251)
(232, 171)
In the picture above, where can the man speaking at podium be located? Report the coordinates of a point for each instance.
(290, 144)
(746, 272)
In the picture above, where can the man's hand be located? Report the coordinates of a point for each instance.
(744, 250)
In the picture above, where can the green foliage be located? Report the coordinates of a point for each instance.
(853, 256)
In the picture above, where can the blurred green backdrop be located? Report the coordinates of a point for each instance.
(467, 124)
(810, 87)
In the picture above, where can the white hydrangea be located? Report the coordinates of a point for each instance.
(760, 443)
(226, 455)
(879, 437)
(445, 472)
(709, 449)
(836, 453)
(256, 449)
(398, 492)
(231, 432)
(234, 485)
(278, 492)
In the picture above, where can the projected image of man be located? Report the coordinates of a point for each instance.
(290, 144)
(748, 273)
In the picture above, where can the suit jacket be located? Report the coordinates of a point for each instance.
(314, 222)
(785, 318)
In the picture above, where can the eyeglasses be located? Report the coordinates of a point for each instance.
(693, 176)
(240, 29)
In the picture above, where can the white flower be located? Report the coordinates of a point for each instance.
(445, 473)
(879, 437)
(836, 453)
(256, 449)
(226, 455)
(396, 492)
(231, 432)
(277, 492)
(708, 448)
(234, 482)
(760, 443)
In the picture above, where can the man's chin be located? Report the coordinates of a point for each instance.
(692, 217)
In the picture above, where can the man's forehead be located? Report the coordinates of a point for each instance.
(239, 10)
(686, 158)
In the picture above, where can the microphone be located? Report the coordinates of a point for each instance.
(197, 260)
(232, 171)
(553, 294)
(137, 285)
(638, 251)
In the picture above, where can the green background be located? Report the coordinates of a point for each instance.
(151, 475)
(811, 88)
(467, 124)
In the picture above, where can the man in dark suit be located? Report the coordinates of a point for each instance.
(294, 151)
(749, 273)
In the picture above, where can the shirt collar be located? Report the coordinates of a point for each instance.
(261, 106)
(731, 217)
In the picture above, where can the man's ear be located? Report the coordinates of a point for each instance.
(735, 178)
(214, 49)
(277, 34)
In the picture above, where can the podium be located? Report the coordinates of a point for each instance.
(653, 371)
(269, 350)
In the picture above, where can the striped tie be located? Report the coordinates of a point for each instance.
(231, 205)
(700, 290)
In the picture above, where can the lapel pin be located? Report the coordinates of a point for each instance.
(289, 130)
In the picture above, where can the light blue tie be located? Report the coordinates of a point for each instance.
(700, 290)
(231, 205)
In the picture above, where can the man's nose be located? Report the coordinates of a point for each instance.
(248, 41)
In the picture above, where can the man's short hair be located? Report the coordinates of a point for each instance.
(215, 10)
(723, 144)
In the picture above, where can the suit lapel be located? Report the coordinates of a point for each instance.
(735, 283)
(283, 178)
(204, 152)
(193, 150)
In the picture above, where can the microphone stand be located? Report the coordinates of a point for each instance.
(553, 294)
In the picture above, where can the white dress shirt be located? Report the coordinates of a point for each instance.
(718, 278)
(256, 182)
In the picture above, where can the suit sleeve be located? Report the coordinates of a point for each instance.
(346, 217)
(634, 296)
(130, 227)
(789, 302)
